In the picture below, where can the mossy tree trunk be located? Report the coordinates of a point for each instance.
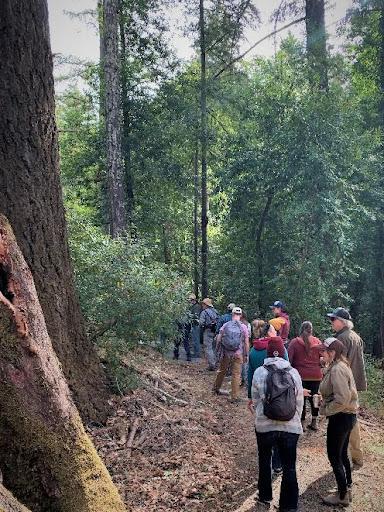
(57, 467)
(30, 192)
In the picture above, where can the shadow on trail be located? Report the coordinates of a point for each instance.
(311, 499)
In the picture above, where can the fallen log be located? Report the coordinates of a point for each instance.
(38, 418)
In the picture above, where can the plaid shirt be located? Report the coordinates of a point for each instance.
(264, 424)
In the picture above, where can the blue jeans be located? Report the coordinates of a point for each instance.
(286, 443)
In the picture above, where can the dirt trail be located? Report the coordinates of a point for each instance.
(172, 445)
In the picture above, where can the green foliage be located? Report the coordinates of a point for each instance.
(373, 398)
(127, 298)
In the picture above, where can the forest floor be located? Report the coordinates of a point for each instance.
(173, 445)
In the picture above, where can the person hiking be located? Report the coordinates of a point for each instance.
(304, 355)
(182, 337)
(232, 350)
(339, 404)
(226, 317)
(208, 320)
(257, 355)
(342, 326)
(278, 399)
(282, 320)
(195, 310)
(244, 367)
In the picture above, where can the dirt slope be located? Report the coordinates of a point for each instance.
(174, 446)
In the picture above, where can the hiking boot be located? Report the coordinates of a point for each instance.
(235, 400)
(314, 424)
(334, 499)
(357, 464)
(263, 501)
(276, 472)
(211, 369)
(189, 358)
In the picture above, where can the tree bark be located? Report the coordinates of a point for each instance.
(204, 147)
(196, 221)
(317, 43)
(9, 503)
(378, 347)
(57, 467)
(30, 192)
(126, 142)
(113, 119)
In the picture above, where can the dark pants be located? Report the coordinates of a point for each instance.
(286, 444)
(183, 337)
(338, 432)
(313, 386)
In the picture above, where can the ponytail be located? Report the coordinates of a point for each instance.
(306, 331)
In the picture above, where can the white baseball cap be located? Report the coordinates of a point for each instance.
(237, 311)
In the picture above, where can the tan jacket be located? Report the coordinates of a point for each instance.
(354, 345)
(338, 390)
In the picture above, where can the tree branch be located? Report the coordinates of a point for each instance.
(239, 57)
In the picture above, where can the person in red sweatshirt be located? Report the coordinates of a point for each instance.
(304, 355)
(281, 321)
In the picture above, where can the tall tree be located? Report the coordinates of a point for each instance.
(46, 456)
(204, 145)
(30, 192)
(113, 119)
(317, 42)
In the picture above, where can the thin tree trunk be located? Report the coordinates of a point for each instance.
(113, 119)
(259, 252)
(378, 348)
(204, 146)
(31, 196)
(317, 42)
(57, 467)
(126, 143)
(196, 221)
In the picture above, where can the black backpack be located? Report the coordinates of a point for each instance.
(280, 394)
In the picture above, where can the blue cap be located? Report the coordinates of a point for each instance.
(278, 304)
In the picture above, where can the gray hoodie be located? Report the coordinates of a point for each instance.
(264, 424)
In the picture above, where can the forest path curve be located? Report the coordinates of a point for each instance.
(194, 451)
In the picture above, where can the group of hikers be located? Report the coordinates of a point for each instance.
(281, 376)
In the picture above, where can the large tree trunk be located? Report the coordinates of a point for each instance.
(113, 119)
(204, 145)
(57, 467)
(10, 504)
(30, 191)
(316, 42)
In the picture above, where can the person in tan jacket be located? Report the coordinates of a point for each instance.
(342, 326)
(339, 404)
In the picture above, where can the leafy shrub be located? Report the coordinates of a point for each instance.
(126, 297)
(373, 398)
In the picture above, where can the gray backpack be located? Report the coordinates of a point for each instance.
(232, 336)
(280, 394)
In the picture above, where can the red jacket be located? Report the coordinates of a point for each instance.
(308, 365)
(284, 331)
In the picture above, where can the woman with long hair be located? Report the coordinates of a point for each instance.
(339, 404)
(304, 355)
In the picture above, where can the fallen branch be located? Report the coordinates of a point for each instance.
(132, 434)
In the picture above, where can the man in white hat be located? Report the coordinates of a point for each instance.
(208, 320)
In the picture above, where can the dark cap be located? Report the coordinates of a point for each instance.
(341, 313)
(275, 347)
(278, 304)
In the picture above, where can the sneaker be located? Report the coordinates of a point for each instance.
(235, 400)
(335, 500)
(263, 501)
(277, 471)
(357, 464)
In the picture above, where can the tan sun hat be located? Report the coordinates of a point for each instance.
(207, 301)
(192, 296)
